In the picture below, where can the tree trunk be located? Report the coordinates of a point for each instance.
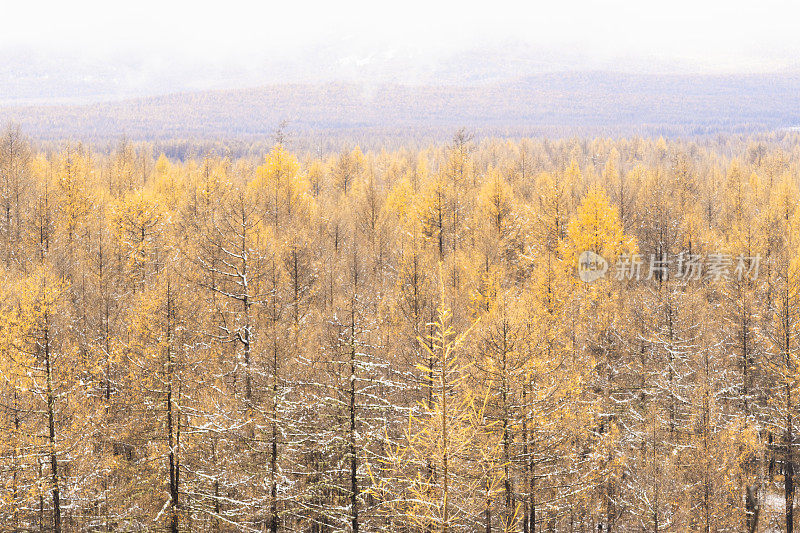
(354, 491)
(788, 468)
(51, 422)
(171, 442)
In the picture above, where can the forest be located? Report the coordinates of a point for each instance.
(401, 338)
(378, 115)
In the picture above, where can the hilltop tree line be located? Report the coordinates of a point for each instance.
(399, 340)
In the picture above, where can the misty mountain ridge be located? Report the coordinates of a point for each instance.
(565, 103)
(35, 77)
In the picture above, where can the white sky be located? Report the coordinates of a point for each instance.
(732, 35)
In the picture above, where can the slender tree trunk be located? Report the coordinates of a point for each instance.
(788, 469)
(488, 512)
(14, 482)
(273, 456)
(507, 487)
(217, 508)
(40, 472)
(526, 463)
(706, 450)
(246, 342)
(354, 490)
(445, 446)
(171, 442)
(532, 498)
(51, 422)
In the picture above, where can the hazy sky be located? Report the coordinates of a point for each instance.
(675, 35)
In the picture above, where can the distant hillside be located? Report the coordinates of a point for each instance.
(595, 102)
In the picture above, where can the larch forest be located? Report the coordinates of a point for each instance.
(400, 339)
